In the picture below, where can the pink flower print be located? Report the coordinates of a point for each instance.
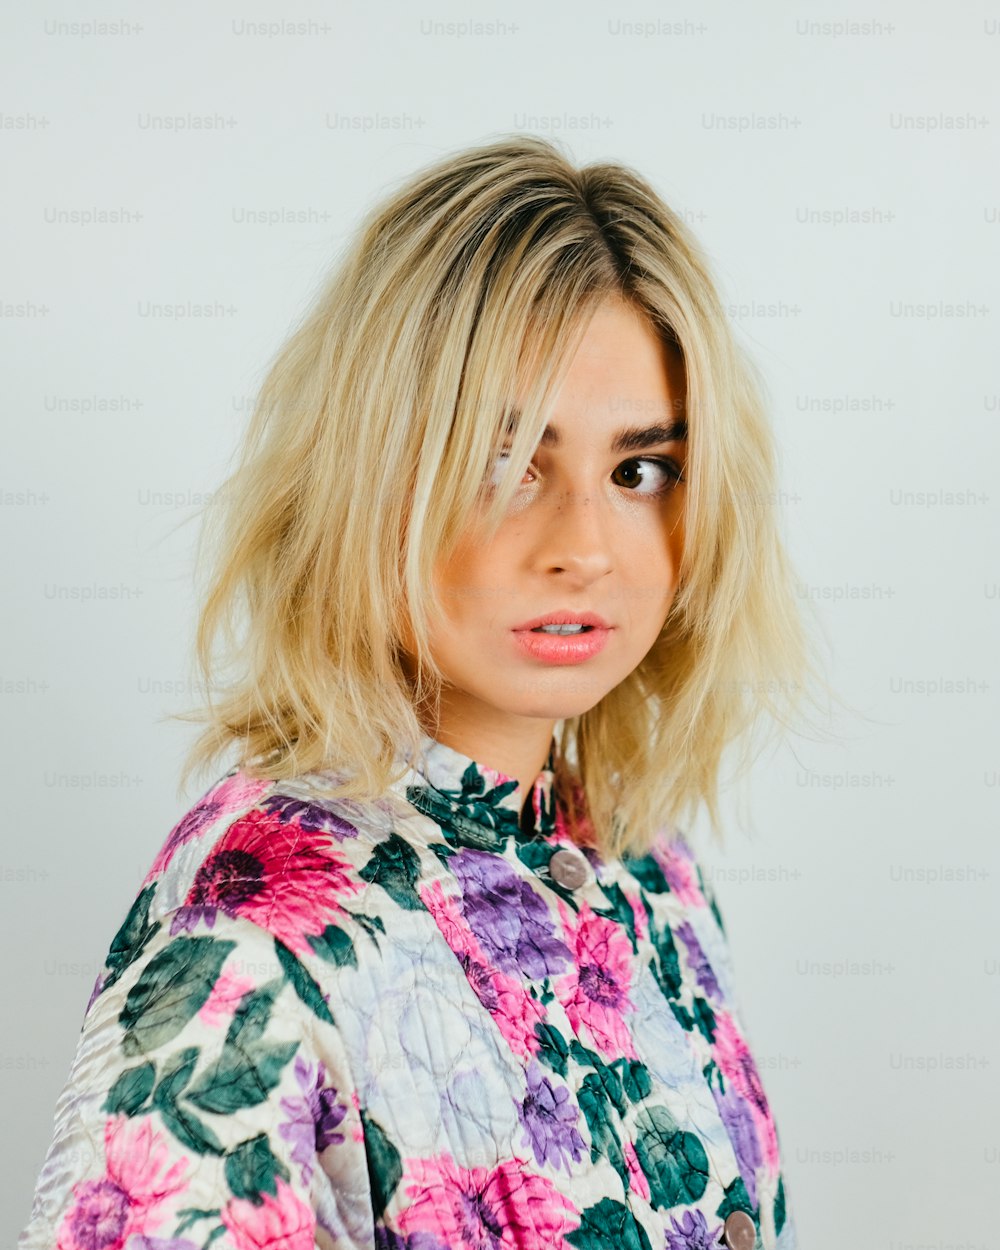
(139, 1241)
(640, 918)
(505, 998)
(636, 1176)
(128, 1197)
(448, 917)
(505, 1206)
(281, 1222)
(677, 864)
(737, 1065)
(358, 1130)
(595, 991)
(357, 1127)
(515, 1014)
(586, 834)
(224, 998)
(285, 879)
(228, 795)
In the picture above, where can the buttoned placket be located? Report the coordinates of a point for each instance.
(443, 769)
(567, 866)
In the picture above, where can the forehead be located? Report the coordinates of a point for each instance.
(623, 355)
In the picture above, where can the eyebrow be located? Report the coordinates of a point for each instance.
(633, 438)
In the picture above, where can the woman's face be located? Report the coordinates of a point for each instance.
(592, 529)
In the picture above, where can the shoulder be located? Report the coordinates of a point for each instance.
(276, 853)
(672, 866)
(269, 876)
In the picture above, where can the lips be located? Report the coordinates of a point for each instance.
(569, 617)
(557, 648)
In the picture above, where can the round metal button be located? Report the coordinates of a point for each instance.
(738, 1232)
(568, 867)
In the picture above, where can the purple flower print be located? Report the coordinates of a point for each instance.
(738, 1119)
(388, 1239)
(549, 1117)
(313, 1118)
(691, 1233)
(140, 1241)
(696, 956)
(310, 816)
(187, 919)
(512, 922)
(231, 793)
(95, 992)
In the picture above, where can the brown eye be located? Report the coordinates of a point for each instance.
(670, 472)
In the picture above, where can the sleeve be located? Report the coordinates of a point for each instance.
(209, 1103)
(713, 937)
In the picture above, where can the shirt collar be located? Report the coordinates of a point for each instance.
(477, 804)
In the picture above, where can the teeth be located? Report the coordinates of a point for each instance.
(560, 629)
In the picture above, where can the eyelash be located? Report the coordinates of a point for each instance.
(675, 473)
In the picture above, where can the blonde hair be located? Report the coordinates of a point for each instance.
(365, 458)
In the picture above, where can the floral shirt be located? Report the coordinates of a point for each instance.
(396, 1025)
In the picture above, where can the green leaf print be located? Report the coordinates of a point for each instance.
(736, 1199)
(175, 1074)
(608, 1223)
(471, 816)
(384, 1167)
(184, 1125)
(684, 1018)
(190, 1131)
(673, 1160)
(335, 946)
(536, 856)
(634, 1078)
(192, 1215)
(779, 1206)
(251, 1017)
(242, 1076)
(704, 1018)
(709, 896)
(553, 1049)
(593, 1101)
(610, 1079)
(666, 966)
(130, 1090)
(620, 912)
(395, 866)
(252, 1169)
(302, 982)
(369, 923)
(649, 874)
(170, 990)
(133, 936)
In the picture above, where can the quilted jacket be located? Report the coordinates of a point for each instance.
(413, 1024)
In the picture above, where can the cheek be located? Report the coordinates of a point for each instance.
(672, 529)
(460, 582)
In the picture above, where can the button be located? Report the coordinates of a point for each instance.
(738, 1232)
(568, 867)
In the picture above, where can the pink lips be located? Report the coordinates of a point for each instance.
(562, 648)
(566, 616)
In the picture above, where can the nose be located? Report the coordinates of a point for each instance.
(575, 533)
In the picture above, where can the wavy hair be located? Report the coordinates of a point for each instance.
(365, 457)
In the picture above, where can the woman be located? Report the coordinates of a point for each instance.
(433, 965)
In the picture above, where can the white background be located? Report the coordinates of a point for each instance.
(862, 906)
